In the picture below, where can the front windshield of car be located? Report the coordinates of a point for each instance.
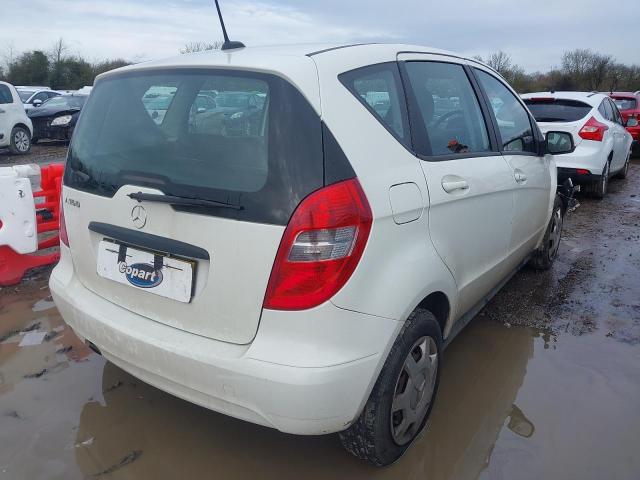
(625, 103)
(25, 95)
(67, 101)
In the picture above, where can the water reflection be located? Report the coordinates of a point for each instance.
(513, 403)
(149, 434)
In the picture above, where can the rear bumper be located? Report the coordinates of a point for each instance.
(577, 178)
(589, 156)
(302, 387)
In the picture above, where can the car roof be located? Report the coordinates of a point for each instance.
(259, 57)
(591, 98)
(300, 64)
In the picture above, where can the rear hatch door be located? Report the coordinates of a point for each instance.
(234, 184)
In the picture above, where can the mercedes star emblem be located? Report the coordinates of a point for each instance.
(139, 216)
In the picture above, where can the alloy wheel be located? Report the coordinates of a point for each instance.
(21, 140)
(414, 390)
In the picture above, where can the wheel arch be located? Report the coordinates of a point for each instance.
(26, 127)
(438, 304)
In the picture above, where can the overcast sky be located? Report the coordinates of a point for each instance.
(534, 33)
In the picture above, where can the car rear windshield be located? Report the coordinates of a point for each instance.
(248, 139)
(554, 110)
(625, 103)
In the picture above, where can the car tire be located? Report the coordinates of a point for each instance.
(20, 142)
(544, 257)
(599, 189)
(622, 174)
(404, 392)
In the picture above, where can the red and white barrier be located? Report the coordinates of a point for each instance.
(24, 214)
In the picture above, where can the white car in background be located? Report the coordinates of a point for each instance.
(34, 97)
(16, 128)
(603, 145)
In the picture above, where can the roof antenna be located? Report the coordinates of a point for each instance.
(228, 44)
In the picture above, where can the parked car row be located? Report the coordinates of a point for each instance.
(32, 113)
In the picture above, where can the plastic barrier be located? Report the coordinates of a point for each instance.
(25, 214)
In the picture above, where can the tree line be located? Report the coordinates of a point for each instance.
(579, 70)
(55, 68)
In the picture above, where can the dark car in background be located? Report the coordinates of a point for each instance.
(56, 118)
(629, 105)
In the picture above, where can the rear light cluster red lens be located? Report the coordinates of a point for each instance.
(582, 171)
(320, 248)
(64, 238)
(593, 130)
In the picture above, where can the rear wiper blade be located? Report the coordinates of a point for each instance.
(184, 201)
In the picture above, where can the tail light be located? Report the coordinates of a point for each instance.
(593, 130)
(64, 238)
(320, 248)
(582, 171)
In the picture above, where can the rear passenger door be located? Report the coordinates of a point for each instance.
(518, 140)
(469, 182)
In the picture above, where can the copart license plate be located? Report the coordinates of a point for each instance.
(155, 273)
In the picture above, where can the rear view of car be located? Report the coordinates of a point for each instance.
(183, 237)
(629, 105)
(602, 144)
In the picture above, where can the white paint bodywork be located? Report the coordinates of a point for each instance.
(307, 372)
(12, 114)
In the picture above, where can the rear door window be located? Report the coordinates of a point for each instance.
(557, 110)
(379, 89)
(244, 138)
(606, 110)
(512, 119)
(616, 113)
(450, 120)
(5, 95)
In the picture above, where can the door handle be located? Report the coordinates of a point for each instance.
(2, 111)
(451, 186)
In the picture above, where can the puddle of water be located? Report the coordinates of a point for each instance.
(513, 403)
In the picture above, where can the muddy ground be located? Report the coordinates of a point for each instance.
(42, 153)
(543, 384)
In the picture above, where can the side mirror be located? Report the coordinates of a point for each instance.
(201, 110)
(558, 143)
(36, 103)
(632, 122)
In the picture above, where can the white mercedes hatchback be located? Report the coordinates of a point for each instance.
(293, 241)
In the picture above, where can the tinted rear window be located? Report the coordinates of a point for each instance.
(550, 110)
(625, 103)
(245, 138)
